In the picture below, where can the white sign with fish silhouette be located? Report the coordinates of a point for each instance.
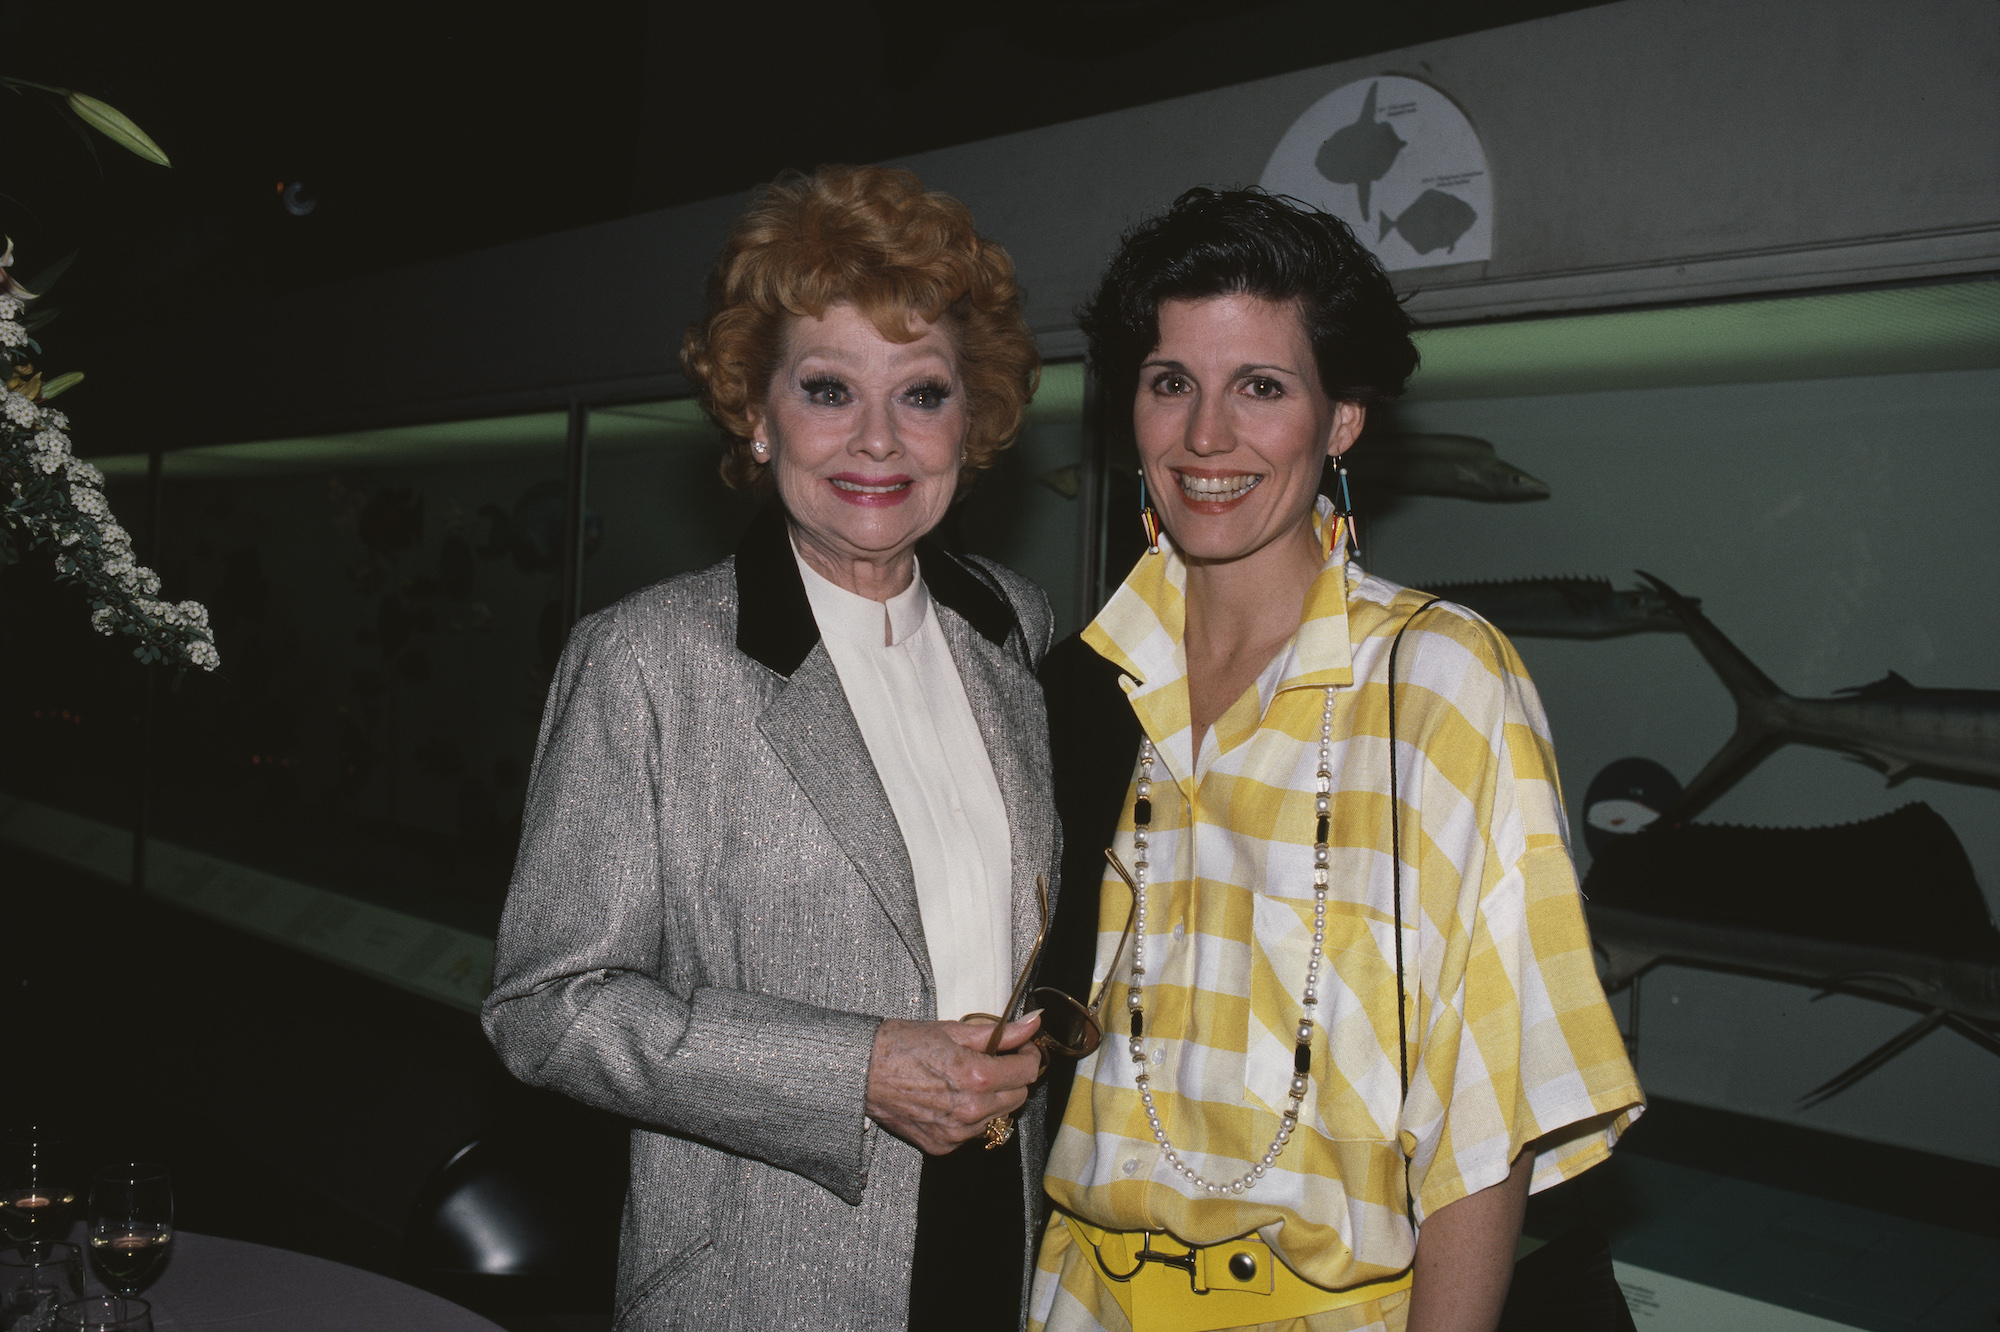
(1396, 160)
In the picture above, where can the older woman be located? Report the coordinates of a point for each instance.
(1363, 1017)
(787, 814)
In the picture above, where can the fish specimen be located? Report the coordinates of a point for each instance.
(1453, 466)
(1063, 480)
(1891, 725)
(1886, 909)
(1563, 607)
(1457, 466)
(1433, 221)
(1362, 153)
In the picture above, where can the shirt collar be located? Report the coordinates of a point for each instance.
(774, 619)
(851, 617)
(1141, 630)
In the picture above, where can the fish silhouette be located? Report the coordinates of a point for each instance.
(1434, 221)
(1459, 466)
(1563, 607)
(1362, 153)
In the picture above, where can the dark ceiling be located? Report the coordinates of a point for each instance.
(432, 127)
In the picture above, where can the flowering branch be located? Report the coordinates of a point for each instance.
(54, 499)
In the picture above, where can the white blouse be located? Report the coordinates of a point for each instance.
(918, 725)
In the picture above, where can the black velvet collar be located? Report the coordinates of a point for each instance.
(774, 620)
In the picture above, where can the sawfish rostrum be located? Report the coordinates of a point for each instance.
(1362, 153)
(1807, 905)
(1891, 725)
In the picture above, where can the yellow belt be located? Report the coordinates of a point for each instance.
(1164, 1285)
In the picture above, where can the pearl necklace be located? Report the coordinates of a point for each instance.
(1142, 818)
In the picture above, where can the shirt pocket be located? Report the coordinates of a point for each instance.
(1355, 1088)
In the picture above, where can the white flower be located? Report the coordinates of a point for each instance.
(203, 654)
(12, 334)
(149, 582)
(52, 441)
(83, 472)
(89, 501)
(48, 462)
(19, 410)
(11, 306)
(60, 420)
(195, 612)
(103, 619)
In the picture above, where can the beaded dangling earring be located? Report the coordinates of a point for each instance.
(1148, 518)
(1343, 502)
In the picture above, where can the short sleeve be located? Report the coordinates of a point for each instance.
(1514, 1041)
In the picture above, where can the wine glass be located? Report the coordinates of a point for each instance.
(131, 1224)
(33, 1284)
(37, 1188)
(105, 1313)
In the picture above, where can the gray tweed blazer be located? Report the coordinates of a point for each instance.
(713, 909)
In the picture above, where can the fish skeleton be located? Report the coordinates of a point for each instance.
(1892, 725)
(1362, 153)
(1563, 607)
(1433, 221)
(1456, 466)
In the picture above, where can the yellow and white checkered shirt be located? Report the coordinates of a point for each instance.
(1510, 1037)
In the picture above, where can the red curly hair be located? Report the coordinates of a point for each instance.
(874, 238)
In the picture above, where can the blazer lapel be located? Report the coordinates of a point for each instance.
(815, 735)
(1006, 704)
(813, 730)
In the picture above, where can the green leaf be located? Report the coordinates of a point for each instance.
(47, 277)
(61, 384)
(116, 126)
(40, 318)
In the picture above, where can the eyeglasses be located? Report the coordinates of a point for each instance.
(1069, 1029)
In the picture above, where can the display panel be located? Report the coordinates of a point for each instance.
(387, 606)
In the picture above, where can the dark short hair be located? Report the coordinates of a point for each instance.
(1247, 242)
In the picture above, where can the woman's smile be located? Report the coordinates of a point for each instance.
(1233, 426)
(865, 437)
(1213, 493)
(871, 491)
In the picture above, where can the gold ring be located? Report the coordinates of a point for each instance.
(998, 1130)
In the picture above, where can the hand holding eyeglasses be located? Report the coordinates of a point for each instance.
(933, 1083)
(921, 1086)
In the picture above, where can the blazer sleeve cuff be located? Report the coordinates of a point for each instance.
(782, 1081)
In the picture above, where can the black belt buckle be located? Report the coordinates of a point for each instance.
(1184, 1261)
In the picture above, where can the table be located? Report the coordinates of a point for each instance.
(211, 1282)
